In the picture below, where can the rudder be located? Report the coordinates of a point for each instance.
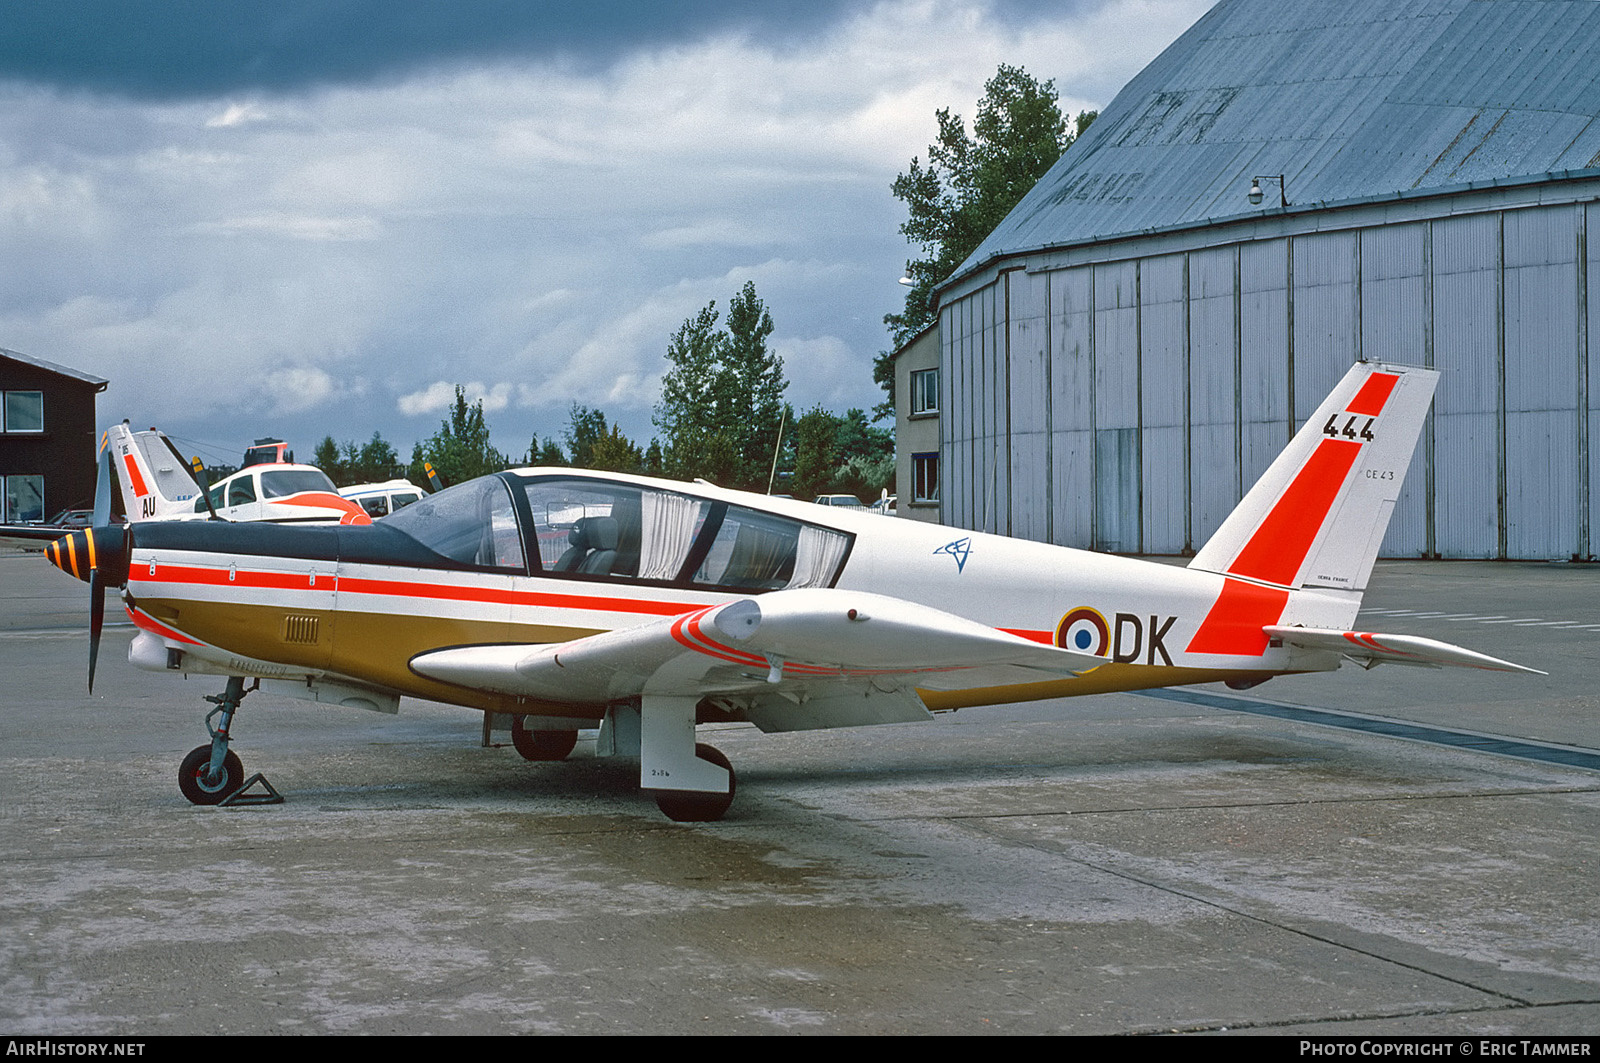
(1317, 516)
(155, 482)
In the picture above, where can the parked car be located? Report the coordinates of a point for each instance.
(71, 518)
(847, 501)
(886, 506)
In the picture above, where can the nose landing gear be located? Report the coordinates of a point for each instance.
(212, 774)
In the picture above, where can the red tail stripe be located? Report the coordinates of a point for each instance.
(1280, 545)
(1373, 394)
(139, 489)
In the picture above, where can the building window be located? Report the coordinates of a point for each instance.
(925, 477)
(24, 499)
(924, 391)
(24, 411)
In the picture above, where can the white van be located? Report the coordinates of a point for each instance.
(380, 500)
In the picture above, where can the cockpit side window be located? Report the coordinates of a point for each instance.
(593, 528)
(472, 523)
(756, 551)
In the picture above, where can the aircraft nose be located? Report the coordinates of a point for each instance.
(80, 552)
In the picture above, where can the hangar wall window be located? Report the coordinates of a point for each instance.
(24, 411)
(924, 391)
(925, 477)
(24, 499)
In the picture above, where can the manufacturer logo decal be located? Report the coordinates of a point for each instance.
(958, 550)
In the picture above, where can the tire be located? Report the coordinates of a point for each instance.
(192, 776)
(541, 745)
(693, 806)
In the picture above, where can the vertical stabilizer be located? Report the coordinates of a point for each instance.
(1318, 515)
(156, 484)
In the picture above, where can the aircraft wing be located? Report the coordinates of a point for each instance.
(794, 660)
(1372, 648)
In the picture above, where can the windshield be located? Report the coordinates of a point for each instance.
(280, 483)
(472, 523)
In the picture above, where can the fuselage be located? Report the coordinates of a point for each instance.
(547, 556)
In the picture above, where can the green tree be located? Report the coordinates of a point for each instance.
(328, 458)
(376, 461)
(816, 453)
(722, 396)
(585, 429)
(755, 387)
(460, 449)
(615, 452)
(968, 185)
(346, 464)
(547, 454)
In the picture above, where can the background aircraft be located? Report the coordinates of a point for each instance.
(571, 600)
(156, 484)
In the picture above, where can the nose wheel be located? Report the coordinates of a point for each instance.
(202, 786)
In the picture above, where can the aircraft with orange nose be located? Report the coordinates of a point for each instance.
(573, 600)
(157, 484)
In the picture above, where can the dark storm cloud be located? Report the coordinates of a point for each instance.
(176, 49)
(186, 48)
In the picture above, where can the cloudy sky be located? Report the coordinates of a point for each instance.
(315, 217)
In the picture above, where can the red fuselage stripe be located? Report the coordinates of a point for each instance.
(327, 583)
(1233, 626)
(148, 623)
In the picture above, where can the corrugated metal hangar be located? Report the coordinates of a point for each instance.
(1128, 350)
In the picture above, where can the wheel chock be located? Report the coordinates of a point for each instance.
(239, 797)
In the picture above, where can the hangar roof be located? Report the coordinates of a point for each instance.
(1350, 100)
(40, 363)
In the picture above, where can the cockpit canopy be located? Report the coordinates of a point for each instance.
(598, 529)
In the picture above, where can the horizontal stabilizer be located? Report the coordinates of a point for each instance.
(1370, 648)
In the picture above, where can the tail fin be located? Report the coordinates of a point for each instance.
(155, 482)
(1317, 516)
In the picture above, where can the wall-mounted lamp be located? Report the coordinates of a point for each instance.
(1255, 189)
(908, 282)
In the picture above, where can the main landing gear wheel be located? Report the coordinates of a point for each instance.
(192, 776)
(692, 806)
(541, 745)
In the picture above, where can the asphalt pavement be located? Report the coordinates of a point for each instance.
(1118, 864)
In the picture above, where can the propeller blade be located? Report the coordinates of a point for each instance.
(99, 557)
(204, 483)
(97, 619)
(102, 488)
(435, 481)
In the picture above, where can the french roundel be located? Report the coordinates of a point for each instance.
(1084, 630)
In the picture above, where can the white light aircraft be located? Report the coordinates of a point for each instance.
(157, 485)
(575, 600)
